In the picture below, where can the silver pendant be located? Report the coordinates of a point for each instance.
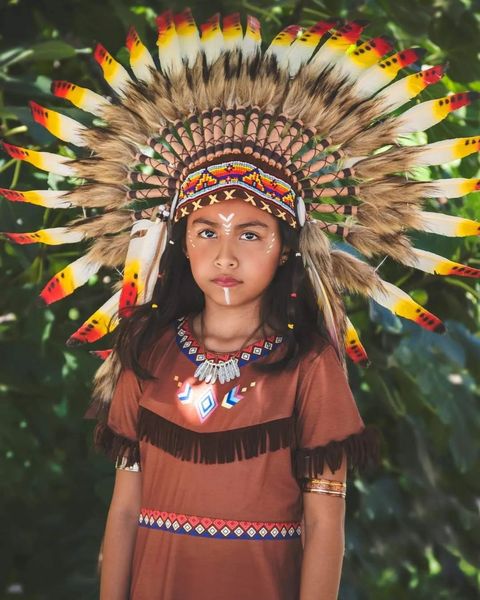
(209, 371)
(221, 373)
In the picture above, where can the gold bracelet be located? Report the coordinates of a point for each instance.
(326, 486)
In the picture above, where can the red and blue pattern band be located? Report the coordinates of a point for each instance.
(239, 179)
(225, 529)
(194, 352)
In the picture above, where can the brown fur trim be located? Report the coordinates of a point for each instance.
(126, 124)
(97, 194)
(354, 275)
(362, 450)
(315, 246)
(371, 244)
(328, 101)
(116, 446)
(110, 251)
(102, 171)
(296, 100)
(380, 134)
(393, 190)
(218, 446)
(111, 222)
(385, 221)
(181, 94)
(200, 78)
(395, 160)
(160, 94)
(106, 143)
(141, 103)
(355, 118)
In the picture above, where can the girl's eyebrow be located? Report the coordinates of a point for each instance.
(204, 221)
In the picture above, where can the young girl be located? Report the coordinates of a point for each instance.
(225, 402)
(222, 472)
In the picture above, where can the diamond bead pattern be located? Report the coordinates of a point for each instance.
(224, 529)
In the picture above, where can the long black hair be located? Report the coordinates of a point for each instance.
(288, 300)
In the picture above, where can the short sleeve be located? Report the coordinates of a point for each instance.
(117, 435)
(328, 422)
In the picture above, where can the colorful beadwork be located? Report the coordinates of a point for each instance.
(192, 350)
(261, 189)
(209, 527)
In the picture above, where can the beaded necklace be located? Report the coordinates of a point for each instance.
(224, 367)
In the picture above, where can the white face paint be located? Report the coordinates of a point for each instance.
(226, 291)
(190, 239)
(227, 229)
(227, 222)
(270, 245)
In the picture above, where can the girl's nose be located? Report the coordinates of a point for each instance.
(226, 257)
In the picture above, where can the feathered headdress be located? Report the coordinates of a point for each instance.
(309, 130)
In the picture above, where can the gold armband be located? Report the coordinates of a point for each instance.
(325, 486)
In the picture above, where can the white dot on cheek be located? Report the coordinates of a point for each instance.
(189, 237)
(272, 241)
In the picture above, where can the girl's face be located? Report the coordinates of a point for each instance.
(234, 250)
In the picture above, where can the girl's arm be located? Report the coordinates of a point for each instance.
(120, 534)
(324, 541)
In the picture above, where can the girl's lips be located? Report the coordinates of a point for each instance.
(226, 281)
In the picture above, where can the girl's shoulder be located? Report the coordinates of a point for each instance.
(323, 362)
(321, 349)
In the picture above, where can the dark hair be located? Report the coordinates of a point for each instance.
(176, 294)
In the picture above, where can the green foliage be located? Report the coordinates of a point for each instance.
(412, 526)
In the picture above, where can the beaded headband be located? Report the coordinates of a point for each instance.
(238, 179)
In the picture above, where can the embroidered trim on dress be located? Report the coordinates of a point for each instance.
(218, 446)
(209, 527)
(193, 351)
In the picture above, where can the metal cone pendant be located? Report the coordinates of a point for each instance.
(224, 370)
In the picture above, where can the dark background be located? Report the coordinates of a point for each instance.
(412, 526)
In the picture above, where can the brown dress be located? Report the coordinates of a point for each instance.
(223, 464)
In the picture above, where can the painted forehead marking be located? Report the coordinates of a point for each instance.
(227, 222)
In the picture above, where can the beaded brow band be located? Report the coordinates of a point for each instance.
(326, 486)
(239, 174)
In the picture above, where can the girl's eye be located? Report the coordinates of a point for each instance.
(250, 236)
(247, 235)
(206, 233)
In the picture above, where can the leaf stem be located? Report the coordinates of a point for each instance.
(16, 174)
(18, 129)
(7, 165)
